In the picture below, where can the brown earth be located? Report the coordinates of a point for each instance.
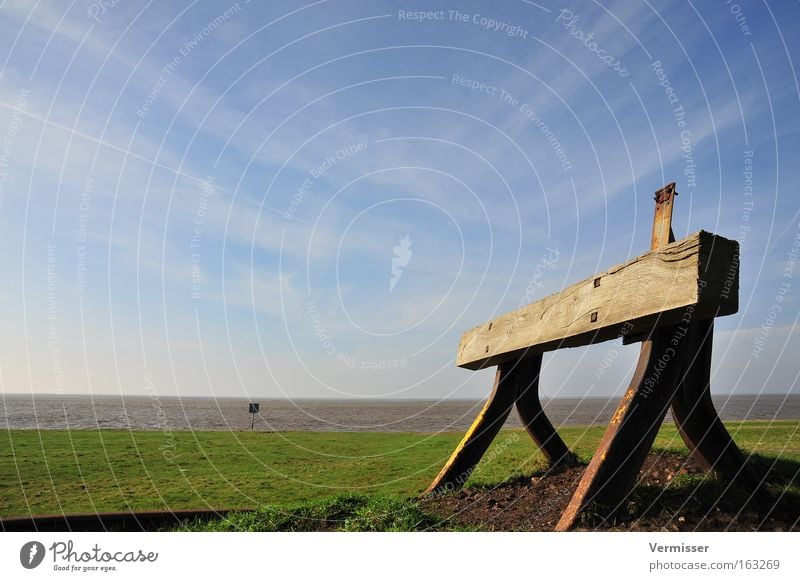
(672, 494)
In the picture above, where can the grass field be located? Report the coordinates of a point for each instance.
(64, 472)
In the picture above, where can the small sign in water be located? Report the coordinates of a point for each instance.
(254, 410)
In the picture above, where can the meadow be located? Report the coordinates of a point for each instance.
(87, 471)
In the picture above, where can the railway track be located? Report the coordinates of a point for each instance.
(110, 521)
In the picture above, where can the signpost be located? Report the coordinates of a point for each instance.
(253, 410)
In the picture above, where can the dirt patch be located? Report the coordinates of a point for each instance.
(672, 494)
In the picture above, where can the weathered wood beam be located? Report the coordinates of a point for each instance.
(654, 289)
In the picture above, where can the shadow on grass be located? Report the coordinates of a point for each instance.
(520, 478)
(690, 501)
(703, 502)
(347, 512)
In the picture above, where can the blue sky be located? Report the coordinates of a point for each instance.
(212, 198)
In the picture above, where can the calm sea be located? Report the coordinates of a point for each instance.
(142, 413)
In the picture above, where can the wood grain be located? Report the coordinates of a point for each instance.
(696, 277)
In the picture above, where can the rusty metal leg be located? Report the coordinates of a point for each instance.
(697, 420)
(615, 465)
(479, 436)
(526, 374)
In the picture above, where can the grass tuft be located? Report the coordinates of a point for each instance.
(346, 512)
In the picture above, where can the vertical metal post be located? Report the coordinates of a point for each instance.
(615, 465)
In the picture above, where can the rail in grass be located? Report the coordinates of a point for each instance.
(667, 299)
(143, 520)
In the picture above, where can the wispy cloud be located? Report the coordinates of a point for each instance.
(266, 156)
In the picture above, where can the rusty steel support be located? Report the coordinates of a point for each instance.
(479, 436)
(684, 385)
(516, 382)
(536, 422)
(693, 410)
(617, 461)
(697, 420)
(619, 457)
(674, 370)
(662, 220)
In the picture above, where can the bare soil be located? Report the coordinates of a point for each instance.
(672, 494)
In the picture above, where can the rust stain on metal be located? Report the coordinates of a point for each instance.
(662, 220)
(682, 383)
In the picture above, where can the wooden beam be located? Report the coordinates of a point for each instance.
(654, 289)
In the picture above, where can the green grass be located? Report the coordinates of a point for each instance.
(77, 471)
(345, 512)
